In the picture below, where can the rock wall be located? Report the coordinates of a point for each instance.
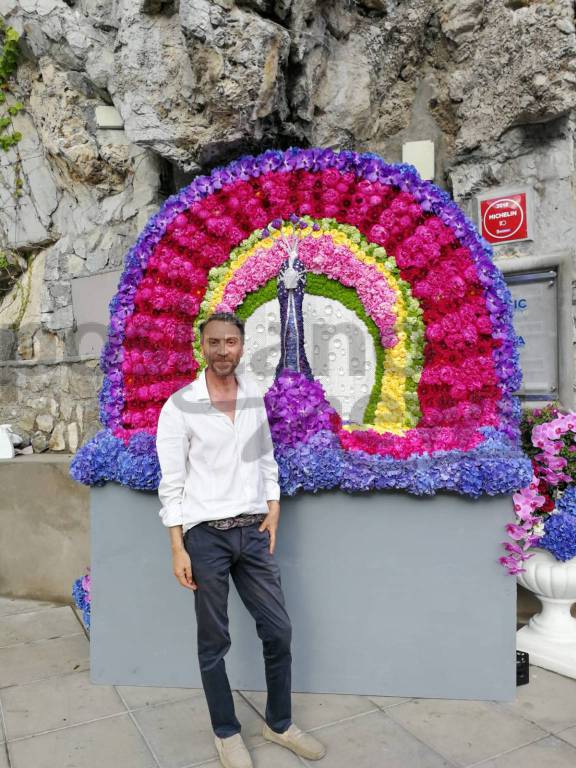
(196, 82)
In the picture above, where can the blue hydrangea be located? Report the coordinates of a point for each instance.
(97, 461)
(567, 502)
(139, 472)
(560, 536)
(469, 478)
(391, 475)
(79, 596)
(495, 466)
(422, 483)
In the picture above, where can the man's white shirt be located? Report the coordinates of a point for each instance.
(211, 467)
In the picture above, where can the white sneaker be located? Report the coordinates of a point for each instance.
(298, 741)
(232, 752)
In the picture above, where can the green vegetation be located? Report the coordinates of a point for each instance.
(10, 270)
(10, 261)
(9, 137)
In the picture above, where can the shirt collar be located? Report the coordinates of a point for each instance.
(202, 387)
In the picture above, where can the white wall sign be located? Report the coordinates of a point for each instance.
(91, 296)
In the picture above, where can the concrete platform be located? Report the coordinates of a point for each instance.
(45, 522)
(389, 595)
(52, 715)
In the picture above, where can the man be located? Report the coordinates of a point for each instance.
(220, 497)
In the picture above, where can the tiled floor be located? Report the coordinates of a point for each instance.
(51, 716)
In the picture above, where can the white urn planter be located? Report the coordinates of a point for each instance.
(6, 445)
(550, 636)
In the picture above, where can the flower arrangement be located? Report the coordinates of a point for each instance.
(546, 508)
(442, 413)
(81, 595)
(327, 249)
(298, 409)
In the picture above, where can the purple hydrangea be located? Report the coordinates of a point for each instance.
(297, 409)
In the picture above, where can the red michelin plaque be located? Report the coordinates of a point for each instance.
(504, 218)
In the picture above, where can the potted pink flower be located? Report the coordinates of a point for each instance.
(542, 550)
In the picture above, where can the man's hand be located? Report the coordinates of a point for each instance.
(270, 523)
(182, 567)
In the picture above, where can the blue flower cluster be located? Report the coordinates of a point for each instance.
(495, 466)
(567, 502)
(560, 535)
(81, 602)
(106, 458)
(560, 527)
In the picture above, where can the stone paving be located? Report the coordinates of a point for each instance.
(51, 716)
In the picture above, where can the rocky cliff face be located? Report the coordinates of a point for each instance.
(196, 82)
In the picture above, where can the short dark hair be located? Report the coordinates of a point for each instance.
(226, 317)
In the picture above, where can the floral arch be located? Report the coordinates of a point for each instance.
(396, 250)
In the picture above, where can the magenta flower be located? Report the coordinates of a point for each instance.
(512, 564)
(87, 584)
(516, 532)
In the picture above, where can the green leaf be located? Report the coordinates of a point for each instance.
(11, 35)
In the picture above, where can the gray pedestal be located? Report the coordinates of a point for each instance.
(388, 594)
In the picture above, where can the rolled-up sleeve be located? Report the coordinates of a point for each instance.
(268, 465)
(172, 443)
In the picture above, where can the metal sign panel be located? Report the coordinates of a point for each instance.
(535, 296)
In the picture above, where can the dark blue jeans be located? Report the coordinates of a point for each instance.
(244, 553)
